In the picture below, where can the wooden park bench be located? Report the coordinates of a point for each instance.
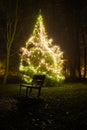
(37, 83)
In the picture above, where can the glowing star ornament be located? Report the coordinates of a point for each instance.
(40, 56)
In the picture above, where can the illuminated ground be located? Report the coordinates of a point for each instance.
(59, 108)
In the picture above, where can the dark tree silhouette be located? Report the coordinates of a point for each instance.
(74, 13)
(11, 25)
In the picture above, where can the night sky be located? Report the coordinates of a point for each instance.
(61, 18)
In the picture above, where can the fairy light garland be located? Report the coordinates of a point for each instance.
(41, 56)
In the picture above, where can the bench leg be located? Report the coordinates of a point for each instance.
(26, 91)
(20, 91)
(30, 91)
(39, 91)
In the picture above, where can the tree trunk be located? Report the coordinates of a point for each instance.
(84, 51)
(7, 66)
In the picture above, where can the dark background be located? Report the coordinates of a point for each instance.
(64, 21)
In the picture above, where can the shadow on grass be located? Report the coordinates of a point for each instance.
(63, 108)
(31, 114)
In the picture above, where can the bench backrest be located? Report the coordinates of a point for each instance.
(38, 80)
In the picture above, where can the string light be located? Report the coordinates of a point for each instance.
(40, 55)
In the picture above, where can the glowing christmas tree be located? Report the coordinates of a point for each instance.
(40, 56)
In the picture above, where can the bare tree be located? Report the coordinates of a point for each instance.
(11, 25)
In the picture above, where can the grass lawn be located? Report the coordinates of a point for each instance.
(59, 108)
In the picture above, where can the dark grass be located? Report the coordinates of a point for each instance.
(58, 108)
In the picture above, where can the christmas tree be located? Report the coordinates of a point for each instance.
(40, 56)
